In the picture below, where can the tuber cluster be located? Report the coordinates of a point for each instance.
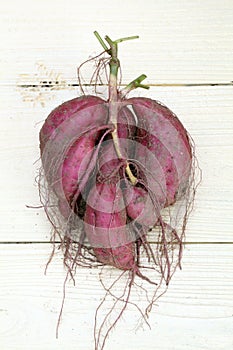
(114, 166)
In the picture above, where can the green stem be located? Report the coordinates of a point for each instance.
(127, 38)
(134, 85)
(101, 40)
(114, 65)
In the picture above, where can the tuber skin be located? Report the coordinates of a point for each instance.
(106, 228)
(77, 160)
(147, 162)
(163, 134)
(80, 128)
(139, 206)
(105, 217)
(63, 112)
(114, 169)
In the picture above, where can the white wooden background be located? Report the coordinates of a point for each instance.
(186, 49)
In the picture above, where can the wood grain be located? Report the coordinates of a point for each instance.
(180, 42)
(186, 49)
(207, 114)
(198, 303)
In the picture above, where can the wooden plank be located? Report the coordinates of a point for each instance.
(180, 42)
(207, 114)
(186, 49)
(196, 311)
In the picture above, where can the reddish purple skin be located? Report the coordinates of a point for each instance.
(163, 112)
(85, 116)
(80, 151)
(64, 112)
(158, 130)
(108, 163)
(165, 159)
(105, 216)
(125, 124)
(139, 206)
(121, 257)
(164, 135)
(106, 227)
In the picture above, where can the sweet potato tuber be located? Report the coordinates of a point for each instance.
(106, 227)
(114, 169)
(164, 135)
(105, 216)
(64, 112)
